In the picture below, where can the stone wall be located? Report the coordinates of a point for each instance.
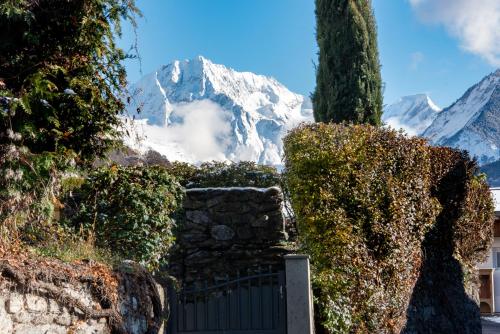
(229, 229)
(29, 314)
(31, 307)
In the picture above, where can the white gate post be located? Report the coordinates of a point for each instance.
(299, 306)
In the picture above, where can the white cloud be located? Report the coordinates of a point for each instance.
(476, 23)
(416, 57)
(395, 124)
(200, 132)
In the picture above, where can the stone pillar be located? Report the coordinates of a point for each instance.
(298, 295)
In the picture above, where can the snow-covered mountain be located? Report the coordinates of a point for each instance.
(413, 114)
(195, 110)
(472, 122)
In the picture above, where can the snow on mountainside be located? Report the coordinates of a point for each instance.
(195, 110)
(472, 122)
(413, 114)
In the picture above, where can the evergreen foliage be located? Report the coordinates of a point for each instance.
(460, 239)
(348, 81)
(368, 201)
(223, 174)
(61, 71)
(60, 76)
(129, 210)
(29, 186)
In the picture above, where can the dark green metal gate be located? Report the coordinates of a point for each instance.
(254, 304)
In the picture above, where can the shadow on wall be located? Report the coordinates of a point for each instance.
(443, 300)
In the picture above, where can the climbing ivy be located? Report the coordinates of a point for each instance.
(129, 210)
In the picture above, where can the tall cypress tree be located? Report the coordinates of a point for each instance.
(348, 81)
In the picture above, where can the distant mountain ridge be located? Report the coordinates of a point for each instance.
(414, 113)
(472, 123)
(195, 110)
(243, 116)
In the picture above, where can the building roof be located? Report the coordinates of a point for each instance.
(496, 197)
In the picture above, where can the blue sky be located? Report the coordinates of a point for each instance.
(419, 52)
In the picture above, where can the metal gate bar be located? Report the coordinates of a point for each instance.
(244, 305)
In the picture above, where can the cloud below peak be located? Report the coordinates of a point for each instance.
(476, 23)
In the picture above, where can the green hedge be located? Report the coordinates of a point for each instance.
(225, 174)
(458, 240)
(365, 199)
(465, 224)
(130, 210)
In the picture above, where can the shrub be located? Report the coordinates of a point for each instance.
(183, 171)
(71, 248)
(61, 78)
(223, 174)
(29, 187)
(365, 199)
(465, 224)
(458, 240)
(130, 210)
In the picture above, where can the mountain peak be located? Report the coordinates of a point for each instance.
(419, 98)
(471, 122)
(242, 113)
(201, 59)
(202, 77)
(199, 62)
(412, 113)
(465, 110)
(423, 98)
